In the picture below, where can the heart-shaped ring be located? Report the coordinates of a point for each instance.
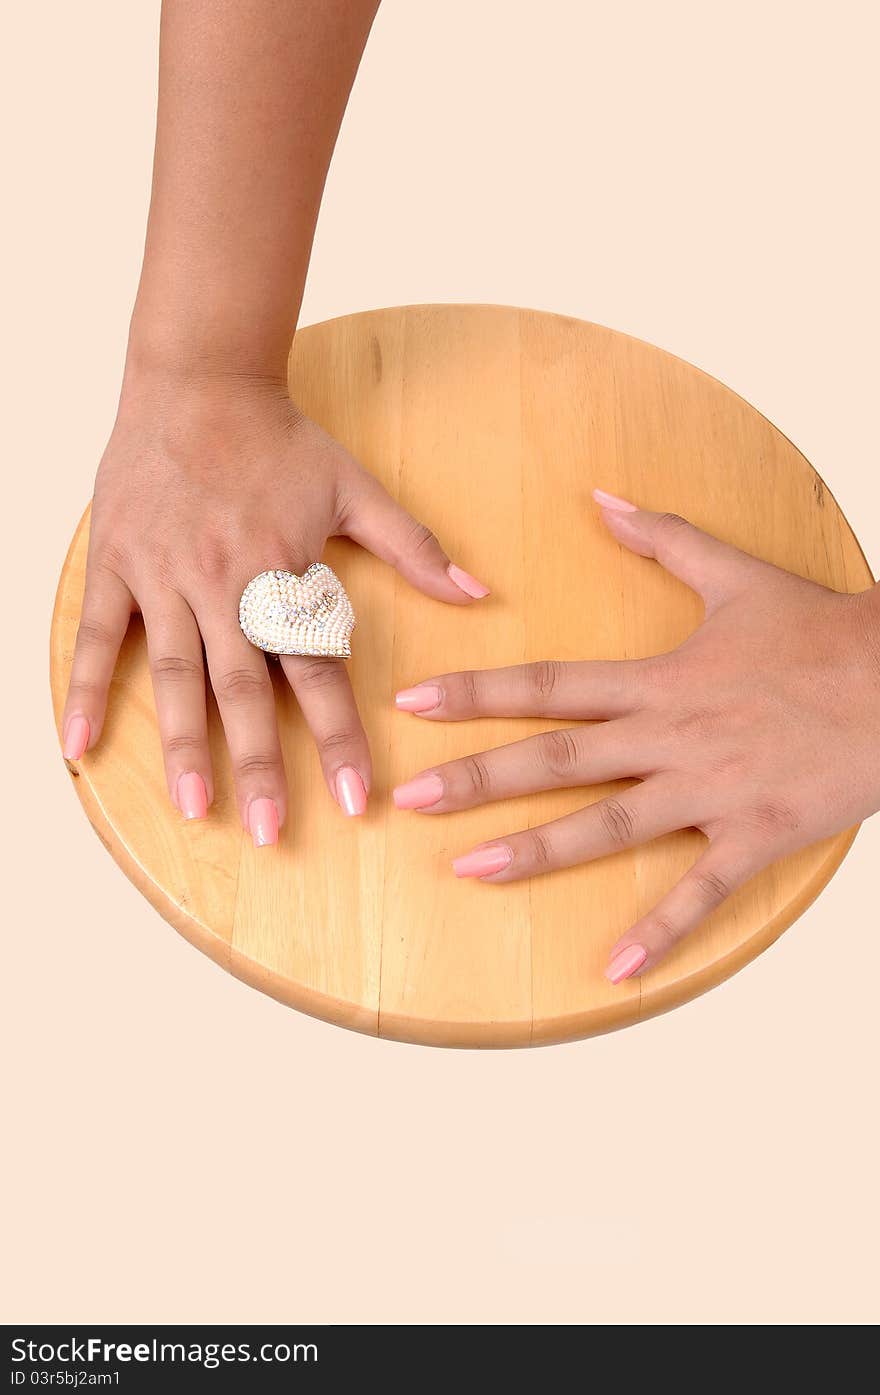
(282, 613)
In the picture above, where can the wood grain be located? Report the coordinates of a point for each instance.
(492, 425)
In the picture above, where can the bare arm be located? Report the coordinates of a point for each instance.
(251, 98)
(212, 476)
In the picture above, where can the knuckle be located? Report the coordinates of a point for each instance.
(477, 774)
(212, 559)
(712, 887)
(671, 524)
(84, 688)
(769, 817)
(669, 535)
(93, 634)
(419, 539)
(174, 668)
(665, 931)
(617, 821)
(698, 724)
(469, 688)
(733, 764)
(257, 763)
(539, 847)
(559, 753)
(543, 677)
(316, 674)
(241, 685)
(111, 558)
(183, 743)
(159, 564)
(341, 740)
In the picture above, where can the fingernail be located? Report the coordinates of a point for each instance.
(420, 699)
(351, 791)
(626, 962)
(76, 738)
(263, 822)
(467, 583)
(419, 793)
(611, 501)
(482, 862)
(192, 796)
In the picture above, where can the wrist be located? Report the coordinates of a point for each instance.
(169, 360)
(190, 344)
(188, 398)
(171, 370)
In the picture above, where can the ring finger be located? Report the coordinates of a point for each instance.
(649, 810)
(324, 693)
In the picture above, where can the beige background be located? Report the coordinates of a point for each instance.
(183, 1149)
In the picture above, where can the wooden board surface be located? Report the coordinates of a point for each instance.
(492, 425)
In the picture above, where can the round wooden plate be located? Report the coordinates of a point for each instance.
(492, 425)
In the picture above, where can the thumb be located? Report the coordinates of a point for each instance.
(712, 568)
(378, 522)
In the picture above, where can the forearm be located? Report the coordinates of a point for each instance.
(251, 98)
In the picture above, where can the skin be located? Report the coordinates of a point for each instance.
(212, 474)
(761, 731)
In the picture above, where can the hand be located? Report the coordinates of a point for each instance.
(761, 730)
(202, 486)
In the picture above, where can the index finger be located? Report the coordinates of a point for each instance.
(590, 689)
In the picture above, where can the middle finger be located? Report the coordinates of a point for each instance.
(246, 701)
(562, 759)
(174, 647)
(658, 806)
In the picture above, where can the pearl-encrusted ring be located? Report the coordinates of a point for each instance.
(282, 613)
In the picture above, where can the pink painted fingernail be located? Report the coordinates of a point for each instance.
(482, 862)
(419, 793)
(611, 501)
(351, 791)
(263, 822)
(76, 738)
(467, 583)
(625, 962)
(421, 699)
(192, 796)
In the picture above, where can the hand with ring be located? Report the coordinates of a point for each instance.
(205, 486)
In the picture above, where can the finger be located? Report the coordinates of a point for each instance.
(550, 688)
(378, 522)
(174, 648)
(107, 607)
(553, 760)
(246, 701)
(644, 812)
(324, 693)
(721, 870)
(714, 569)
